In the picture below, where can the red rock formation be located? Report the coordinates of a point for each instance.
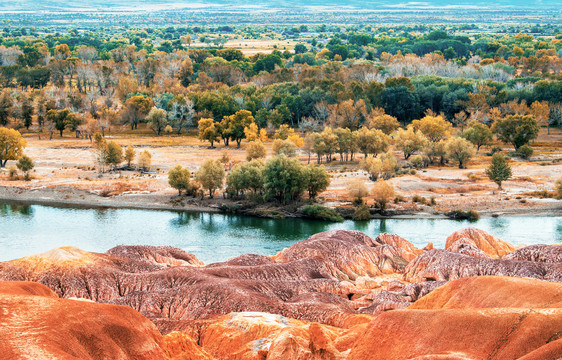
(442, 265)
(472, 318)
(348, 254)
(409, 251)
(475, 239)
(336, 278)
(36, 324)
(539, 253)
(312, 280)
(493, 292)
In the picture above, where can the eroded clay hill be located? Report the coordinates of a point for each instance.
(36, 324)
(336, 295)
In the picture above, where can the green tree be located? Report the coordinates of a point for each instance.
(478, 134)
(113, 154)
(61, 119)
(450, 53)
(157, 120)
(179, 178)
(499, 169)
(6, 104)
(284, 179)
(300, 49)
(460, 150)
(400, 102)
(517, 130)
(246, 177)
(27, 111)
(11, 145)
(210, 175)
(316, 179)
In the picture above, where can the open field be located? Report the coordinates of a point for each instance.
(68, 163)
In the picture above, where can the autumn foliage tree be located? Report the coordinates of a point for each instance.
(135, 110)
(434, 128)
(11, 145)
(208, 131)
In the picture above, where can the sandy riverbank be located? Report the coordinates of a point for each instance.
(71, 197)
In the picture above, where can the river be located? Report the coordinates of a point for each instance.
(31, 229)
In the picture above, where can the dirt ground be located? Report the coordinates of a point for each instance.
(68, 163)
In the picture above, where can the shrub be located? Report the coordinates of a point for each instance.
(470, 215)
(525, 151)
(284, 147)
(319, 212)
(417, 161)
(496, 149)
(255, 150)
(399, 198)
(419, 199)
(559, 188)
(383, 192)
(362, 213)
(357, 190)
(12, 171)
(432, 201)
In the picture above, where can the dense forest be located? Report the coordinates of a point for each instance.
(405, 72)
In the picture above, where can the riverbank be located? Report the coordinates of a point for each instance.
(67, 196)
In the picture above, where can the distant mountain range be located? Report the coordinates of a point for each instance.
(139, 5)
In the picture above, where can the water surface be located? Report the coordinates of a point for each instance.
(30, 229)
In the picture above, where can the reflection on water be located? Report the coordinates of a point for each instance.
(26, 230)
(12, 210)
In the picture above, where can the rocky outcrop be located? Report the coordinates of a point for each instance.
(442, 265)
(493, 292)
(475, 318)
(474, 242)
(312, 280)
(538, 253)
(36, 324)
